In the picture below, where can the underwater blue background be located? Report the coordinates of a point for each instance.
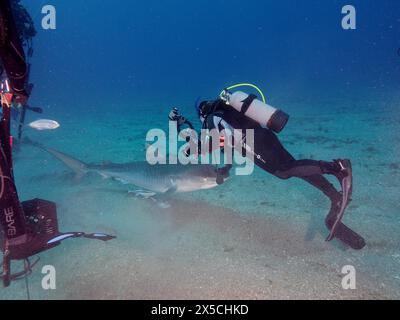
(170, 52)
(113, 69)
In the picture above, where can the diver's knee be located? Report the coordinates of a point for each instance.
(283, 171)
(281, 175)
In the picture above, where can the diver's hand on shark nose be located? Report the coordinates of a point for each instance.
(223, 173)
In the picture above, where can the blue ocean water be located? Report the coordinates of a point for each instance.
(170, 53)
(113, 69)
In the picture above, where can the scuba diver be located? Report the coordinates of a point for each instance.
(240, 111)
(26, 31)
(30, 227)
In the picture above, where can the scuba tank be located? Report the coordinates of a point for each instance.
(257, 110)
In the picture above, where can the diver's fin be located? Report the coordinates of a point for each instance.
(347, 189)
(347, 235)
(63, 236)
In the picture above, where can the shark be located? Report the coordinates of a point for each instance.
(159, 179)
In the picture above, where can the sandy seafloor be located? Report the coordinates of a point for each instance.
(255, 237)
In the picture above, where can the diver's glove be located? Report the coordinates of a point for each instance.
(181, 120)
(223, 173)
(175, 116)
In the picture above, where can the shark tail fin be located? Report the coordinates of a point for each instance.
(79, 167)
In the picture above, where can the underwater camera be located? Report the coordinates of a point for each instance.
(41, 221)
(30, 227)
(42, 226)
(43, 234)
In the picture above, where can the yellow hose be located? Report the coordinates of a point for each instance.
(248, 85)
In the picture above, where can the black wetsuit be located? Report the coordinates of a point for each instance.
(271, 155)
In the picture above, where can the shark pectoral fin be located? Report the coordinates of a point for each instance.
(78, 176)
(170, 191)
(103, 175)
(163, 204)
(122, 181)
(161, 199)
(143, 194)
(149, 195)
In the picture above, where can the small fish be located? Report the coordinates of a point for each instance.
(44, 124)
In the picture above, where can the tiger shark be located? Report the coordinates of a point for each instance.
(152, 179)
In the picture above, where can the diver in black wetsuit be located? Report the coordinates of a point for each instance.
(271, 156)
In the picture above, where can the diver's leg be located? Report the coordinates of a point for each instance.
(333, 219)
(327, 188)
(275, 159)
(305, 168)
(341, 169)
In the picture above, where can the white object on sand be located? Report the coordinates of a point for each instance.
(44, 124)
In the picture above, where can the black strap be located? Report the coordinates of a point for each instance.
(208, 122)
(247, 102)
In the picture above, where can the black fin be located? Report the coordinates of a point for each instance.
(347, 190)
(348, 236)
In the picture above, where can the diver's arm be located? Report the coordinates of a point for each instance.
(216, 122)
(212, 122)
(179, 119)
